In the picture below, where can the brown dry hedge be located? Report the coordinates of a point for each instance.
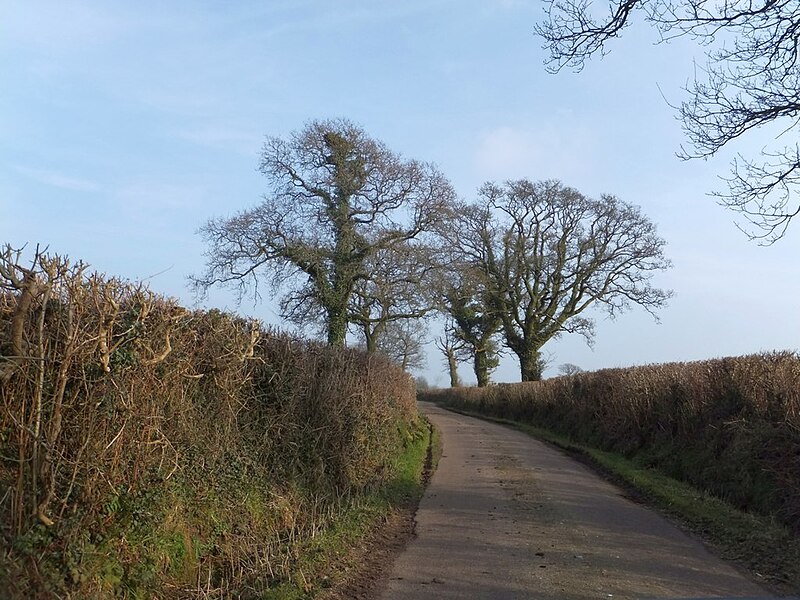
(150, 450)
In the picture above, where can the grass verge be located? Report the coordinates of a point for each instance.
(759, 545)
(344, 555)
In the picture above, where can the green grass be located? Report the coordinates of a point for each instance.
(152, 543)
(327, 559)
(760, 544)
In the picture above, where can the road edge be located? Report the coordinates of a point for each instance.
(371, 561)
(771, 563)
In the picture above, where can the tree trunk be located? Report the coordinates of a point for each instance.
(530, 363)
(453, 366)
(337, 327)
(481, 366)
(371, 338)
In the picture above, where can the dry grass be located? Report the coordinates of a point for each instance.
(729, 426)
(149, 450)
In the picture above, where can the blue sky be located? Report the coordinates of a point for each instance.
(125, 126)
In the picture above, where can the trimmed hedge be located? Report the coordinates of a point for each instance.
(148, 450)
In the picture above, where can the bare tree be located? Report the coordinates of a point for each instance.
(422, 384)
(569, 369)
(473, 322)
(452, 348)
(336, 198)
(751, 79)
(396, 291)
(404, 342)
(548, 253)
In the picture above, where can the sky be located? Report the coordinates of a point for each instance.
(125, 126)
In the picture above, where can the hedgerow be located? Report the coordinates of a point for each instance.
(148, 450)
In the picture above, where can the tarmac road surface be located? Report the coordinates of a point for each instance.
(506, 516)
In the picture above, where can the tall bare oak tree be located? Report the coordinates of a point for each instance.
(548, 253)
(336, 198)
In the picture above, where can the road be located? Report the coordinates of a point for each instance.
(506, 516)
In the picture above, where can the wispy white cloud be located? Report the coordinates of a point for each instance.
(229, 138)
(562, 150)
(504, 151)
(58, 180)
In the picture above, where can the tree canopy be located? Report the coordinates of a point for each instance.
(336, 199)
(751, 79)
(547, 253)
(351, 236)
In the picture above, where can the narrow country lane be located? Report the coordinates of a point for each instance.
(506, 516)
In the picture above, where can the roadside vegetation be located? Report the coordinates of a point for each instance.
(342, 557)
(147, 450)
(716, 443)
